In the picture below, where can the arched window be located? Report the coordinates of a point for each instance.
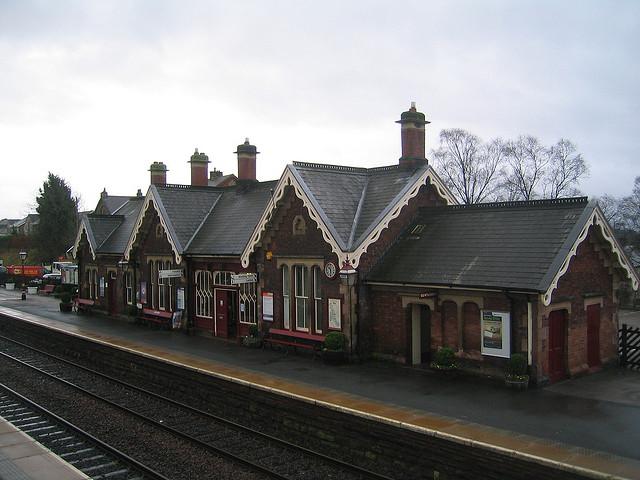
(317, 299)
(204, 294)
(286, 305)
(301, 280)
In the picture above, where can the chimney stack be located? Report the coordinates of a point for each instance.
(158, 173)
(246, 161)
(413, 138)
(199, 169)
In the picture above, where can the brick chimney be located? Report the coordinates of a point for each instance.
(246, 161)
(413, 134)
(199, 169)
(158, 173)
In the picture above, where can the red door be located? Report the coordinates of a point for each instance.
(556, 344)
(221, 313)
(593, 335)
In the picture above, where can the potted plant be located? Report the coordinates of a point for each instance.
(333, 350)
(32, 288)
(516, 376)
(65, 302)
(446, 365)
(10, 285)
(253, 340)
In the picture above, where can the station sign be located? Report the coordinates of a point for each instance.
(244, 278)
(177, 273)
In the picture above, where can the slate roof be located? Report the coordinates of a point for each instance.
(227, 229)
(108, 234)
(211, 220)
(516, 245)
(352, 201)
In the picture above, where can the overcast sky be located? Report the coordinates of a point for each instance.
(95, 91)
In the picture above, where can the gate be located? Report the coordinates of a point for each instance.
(629, 346)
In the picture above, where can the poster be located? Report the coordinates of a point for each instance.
(267, 306)
(496, 333)
(102, 286)
(335, 314)
(143, 292)
(180, 298)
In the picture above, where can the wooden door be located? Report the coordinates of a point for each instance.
(593, 335)
(556, 344)
(222, 300)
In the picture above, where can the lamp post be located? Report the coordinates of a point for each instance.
(348, 276)
(23, 257)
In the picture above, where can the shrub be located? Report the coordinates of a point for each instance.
(334, 341)
(132, 311)
(517, 366)
(446, 358)
(65, 297)
(254, 331)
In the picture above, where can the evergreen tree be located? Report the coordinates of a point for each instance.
(58, 211)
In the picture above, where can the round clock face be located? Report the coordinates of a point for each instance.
(330, 269)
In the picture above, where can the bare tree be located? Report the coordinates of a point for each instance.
(468, 166)
(526, 160)
(565, 169)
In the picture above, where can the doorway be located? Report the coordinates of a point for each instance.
(421, 334)
(226, 324)
(557, 327)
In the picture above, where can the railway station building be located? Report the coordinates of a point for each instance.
(384, 255)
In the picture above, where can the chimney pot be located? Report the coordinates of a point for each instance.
(412, 128)
(246, 161)
(158, 173)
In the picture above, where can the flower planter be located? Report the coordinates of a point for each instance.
(32, 290)
(66, 307)
(517, 384)
(10, 286)
(252, 342)
(446, 373)
(333, 357)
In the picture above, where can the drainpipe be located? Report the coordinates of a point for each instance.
(529, 331)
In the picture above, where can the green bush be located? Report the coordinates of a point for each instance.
(132, 311)
(517, 366)
(334, 341)
(65, 297)
(446, 358)
(254, 331)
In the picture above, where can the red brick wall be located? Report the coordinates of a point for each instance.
(587, 274)
(472, 334)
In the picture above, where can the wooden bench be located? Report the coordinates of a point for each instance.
(81, 304)
(149, 317)
(290, 338)
(46, 290)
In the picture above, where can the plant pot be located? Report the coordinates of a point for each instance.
(515, 384)
(252, 342)
(66, 307)
(32, 290)
(333, 357)
(10, 286)
(446, 373)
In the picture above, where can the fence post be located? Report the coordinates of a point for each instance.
(623, 345)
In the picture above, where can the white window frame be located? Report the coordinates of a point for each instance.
(204, 294)
(286, 299)
(301, 292)
(317, 298)
(128, 282)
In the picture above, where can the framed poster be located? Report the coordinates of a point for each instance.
(102, 286)
(180, 298)
(267, 306)
(334, 312)
(143, 292)
(496, 333)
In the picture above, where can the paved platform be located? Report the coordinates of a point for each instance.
(589, 425)
(22, 458)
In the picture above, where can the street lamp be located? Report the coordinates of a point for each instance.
(348, 276)
(23, 257)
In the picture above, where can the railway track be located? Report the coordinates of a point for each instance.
(91, 456)
(267, 456)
